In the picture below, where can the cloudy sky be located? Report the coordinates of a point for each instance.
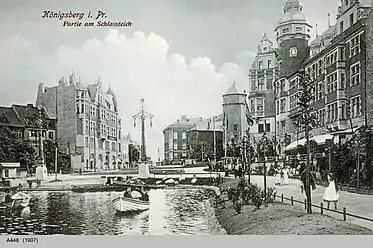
(180, 55)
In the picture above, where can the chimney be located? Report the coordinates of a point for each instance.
(184, 117)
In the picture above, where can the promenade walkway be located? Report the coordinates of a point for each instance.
(355, 203)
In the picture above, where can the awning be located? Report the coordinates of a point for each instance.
(295, 144)
(10, 165)
(319, 139)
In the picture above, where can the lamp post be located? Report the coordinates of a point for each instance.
(143, 115)
(264, 147)
(41, 146)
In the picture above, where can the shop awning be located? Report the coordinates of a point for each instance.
(319, 139)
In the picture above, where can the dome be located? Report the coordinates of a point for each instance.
(292, 12)
(316, 42)
(328, 33)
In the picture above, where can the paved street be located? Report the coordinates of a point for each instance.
(354, 203)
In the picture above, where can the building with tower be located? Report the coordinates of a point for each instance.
(337, 62)
(262, 76)
(88, 122)
(235, 111)
(293, 33)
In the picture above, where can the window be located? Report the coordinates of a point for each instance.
(283, 130)
(269, 84)
(184, 146)
(260, 128)
(331, 80)
(235, 127)
(50, 135)
(355, 74)
(269, 64)
(293, 52)
(260, 103)
(175, 135)
(320, 92)
(282, 86)
(107, 145)
(286, 30)
(264, 49)
(351, 19)
(268, 127)
(293, 102)
(322, 117)
(355, 106)
(282, 106)
(354, 46)
(298, 29)
(252, 105)
(260, 84)
(119, 147)
(86, 142)
(343, 110)
(260, 65)
(346, 2)
(341, 27)
(183, 135)
(343, 81)
(175, 146)
(113, 146)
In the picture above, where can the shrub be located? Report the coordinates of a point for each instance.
(271, 194)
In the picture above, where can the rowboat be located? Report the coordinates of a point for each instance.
(126, 204)
(20, 200)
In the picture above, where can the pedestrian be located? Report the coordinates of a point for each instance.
(331, 192)
(285, 172)
(278, 176)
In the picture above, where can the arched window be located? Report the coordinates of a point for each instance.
(293, 52)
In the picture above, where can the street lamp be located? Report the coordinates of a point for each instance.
(41, 148)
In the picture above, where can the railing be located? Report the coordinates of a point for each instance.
(321, 207)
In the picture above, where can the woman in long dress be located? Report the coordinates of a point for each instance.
(331, 192)
(278, 177)
(286, 176)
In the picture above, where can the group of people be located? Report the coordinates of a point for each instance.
(282, 175)
(142, 193)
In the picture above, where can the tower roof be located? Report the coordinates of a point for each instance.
(233, 89)
(292, 12)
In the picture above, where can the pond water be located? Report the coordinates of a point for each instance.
(172, 211)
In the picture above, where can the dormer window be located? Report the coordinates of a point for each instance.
(293, 52)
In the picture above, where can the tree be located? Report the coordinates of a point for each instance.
(133, 153)
(308, 119)
(63, 160)
(13, 149)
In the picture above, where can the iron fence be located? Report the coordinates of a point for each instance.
(322, 208)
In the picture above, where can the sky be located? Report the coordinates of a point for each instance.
(179, 55)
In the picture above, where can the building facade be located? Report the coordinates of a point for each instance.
(262, 75)
(177, 144)
(337, 62)
(24, 120)
(201, 138)
(88, 122)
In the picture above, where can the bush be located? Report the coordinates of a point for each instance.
(271, 194)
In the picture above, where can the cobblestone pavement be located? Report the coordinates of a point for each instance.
(354, 203)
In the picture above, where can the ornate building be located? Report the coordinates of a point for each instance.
(262, 76)
(336, 61)
(88, 122)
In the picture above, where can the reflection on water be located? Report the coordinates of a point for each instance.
(172, 211)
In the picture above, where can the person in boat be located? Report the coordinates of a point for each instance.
(8, 197)
(145, 194)
(127, 193)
